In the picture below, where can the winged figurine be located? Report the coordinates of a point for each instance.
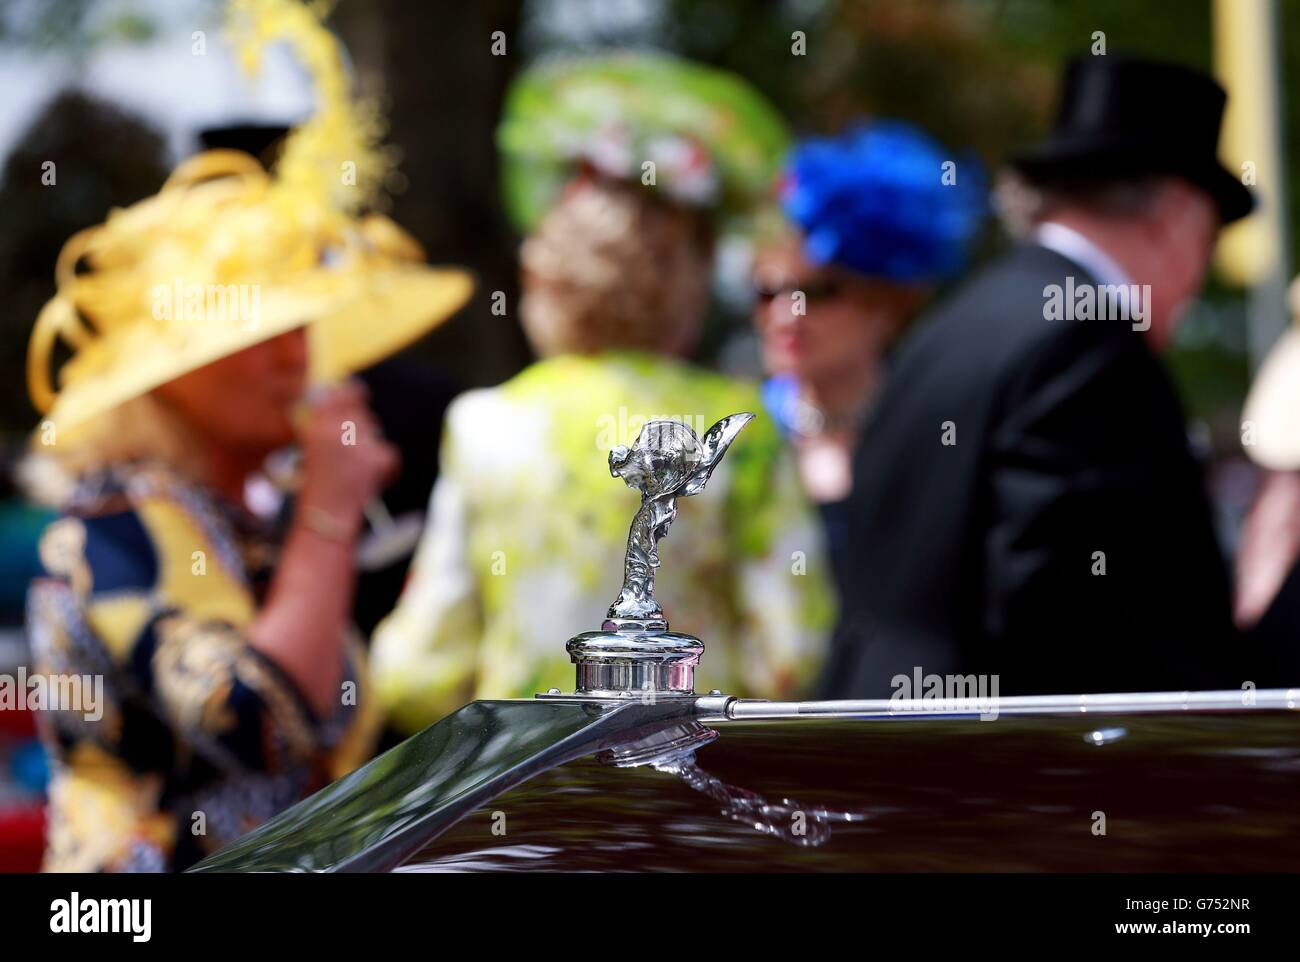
(667, 461)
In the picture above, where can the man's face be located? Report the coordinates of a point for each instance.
(1184, 228)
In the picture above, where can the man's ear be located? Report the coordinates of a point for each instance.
(1164, 224)
(1165, 209)
(1180, 204)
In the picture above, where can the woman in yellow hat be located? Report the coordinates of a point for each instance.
(197, 661)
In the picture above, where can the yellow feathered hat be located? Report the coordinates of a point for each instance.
(226, 255)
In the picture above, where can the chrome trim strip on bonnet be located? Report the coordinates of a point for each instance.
(1272, 699)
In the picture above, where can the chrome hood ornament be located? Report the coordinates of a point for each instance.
(634, 651)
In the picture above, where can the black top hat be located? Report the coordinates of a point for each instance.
(1123, 117)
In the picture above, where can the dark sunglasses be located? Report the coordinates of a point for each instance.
(819, 289)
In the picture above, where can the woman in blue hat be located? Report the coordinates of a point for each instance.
(875, 219)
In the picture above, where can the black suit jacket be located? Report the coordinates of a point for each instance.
(1070, 458)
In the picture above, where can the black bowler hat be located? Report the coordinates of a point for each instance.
(1123, 117)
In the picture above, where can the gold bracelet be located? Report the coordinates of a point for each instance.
(321, 522)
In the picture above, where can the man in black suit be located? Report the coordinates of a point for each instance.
(1025, 502)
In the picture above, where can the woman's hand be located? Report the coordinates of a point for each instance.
(346, 461)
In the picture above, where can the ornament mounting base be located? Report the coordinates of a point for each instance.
(615, 664)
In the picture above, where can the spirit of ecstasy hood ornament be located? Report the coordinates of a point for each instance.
(668, 461)
(634, 651)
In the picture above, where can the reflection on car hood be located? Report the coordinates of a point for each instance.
(371, 819)
(590, 786)
(1188, 792)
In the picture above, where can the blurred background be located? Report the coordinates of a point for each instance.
(115, 92)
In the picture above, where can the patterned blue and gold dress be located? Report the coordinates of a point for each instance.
(150, 583)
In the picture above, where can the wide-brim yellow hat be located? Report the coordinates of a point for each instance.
(228, 255)
(1271, 416)
(219, 261)
(387, 309)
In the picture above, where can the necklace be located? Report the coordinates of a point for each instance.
(810, 421)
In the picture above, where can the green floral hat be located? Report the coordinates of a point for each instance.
(714, 141)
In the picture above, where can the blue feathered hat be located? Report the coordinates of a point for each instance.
(880, 201)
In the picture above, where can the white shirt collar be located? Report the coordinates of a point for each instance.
(1073, 246)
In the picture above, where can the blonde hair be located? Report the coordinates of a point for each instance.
(142, 429)
(612, 266)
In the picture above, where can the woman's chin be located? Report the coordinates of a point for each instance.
(781, 362)
(269, 438)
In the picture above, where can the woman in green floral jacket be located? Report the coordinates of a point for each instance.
(527, 529)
